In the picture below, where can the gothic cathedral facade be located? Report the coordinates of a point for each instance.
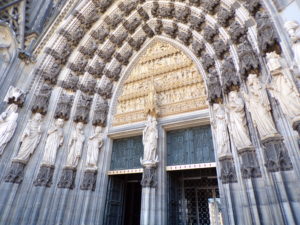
(150, 112)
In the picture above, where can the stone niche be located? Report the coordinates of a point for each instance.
(8, 47)
(179, 86)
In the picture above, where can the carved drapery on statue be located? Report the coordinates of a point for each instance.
(283, 90)
(260, 109)
(74, 154)
(238, 124)
(30, 139)
(293, 29)
(95, 144)
(220, 125)
(8, 124)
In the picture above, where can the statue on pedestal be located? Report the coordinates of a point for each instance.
(94, 146)
(30, 139)
(150, 133)
(75, 146)
(238, 123)
(8, 124)
(220, 126)
(283, 89)
(54, 141)
(259, 107)
(293, 29)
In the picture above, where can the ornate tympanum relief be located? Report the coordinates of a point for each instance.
(179, 86)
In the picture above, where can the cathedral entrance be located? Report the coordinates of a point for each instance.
(193, 197)
(123, 203)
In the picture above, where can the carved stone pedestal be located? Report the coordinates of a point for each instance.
(228, 173)
(149, 177)
(44, 177)
(15, 173)
(249, 166)
(89, 180)
(67, 178)
(276, 155)
(148, 183)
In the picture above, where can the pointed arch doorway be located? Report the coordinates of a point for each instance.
(181, 100)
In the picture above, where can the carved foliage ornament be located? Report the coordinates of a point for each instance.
(211, 6)
(40, 104)
(197, 22)
(228, 173)
(97, 70)
(15, 173)
(118, 39)
(185, 37)
(63, 107)
(44, 177)
(248, 60)
(106, 54)
(136, 44)
(225, 17)
(71, 83)
(267, 37)
(82, 109)
(229, 75)
(132, 25)
(115, 73)
(182, 15)
(250, 167)
(100, 34)
(105, 89)
(100, 113)
(148, 30)
(214, 88)
(220, 48)
(143, 14)
(127, 8)
(89, 180)
(207, 62)
(198, 48)
(102, 4)
(237, 32)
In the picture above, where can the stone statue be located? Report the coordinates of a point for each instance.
(286, 94)
(94, 146)
(54, 141)
(273, 61)
(259, 107)
(30, 139)
(75, 146)
(150, 136)
(220, 126)
(293, 29)
(238, 123)
(8, 124)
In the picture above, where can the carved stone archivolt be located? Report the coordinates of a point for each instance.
(82, 109)
(179, 86)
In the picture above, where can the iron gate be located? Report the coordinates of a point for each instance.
(189, 198)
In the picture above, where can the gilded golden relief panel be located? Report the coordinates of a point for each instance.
(172, 75)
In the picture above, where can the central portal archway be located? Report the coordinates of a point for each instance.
(186, 153)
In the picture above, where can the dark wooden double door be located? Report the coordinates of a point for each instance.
(123, 203)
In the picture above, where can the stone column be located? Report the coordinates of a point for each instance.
(148, 183)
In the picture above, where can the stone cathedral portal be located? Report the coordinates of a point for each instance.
(149, 112)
